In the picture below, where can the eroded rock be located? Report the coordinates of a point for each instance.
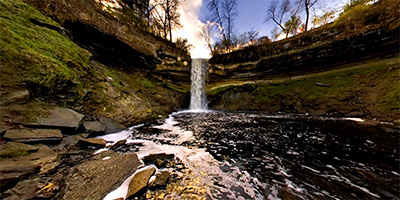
(95, 178)
(12, 173)
(62, 118)
(34, 135)
(16, 149)
(92, 142)
(94, 127)
(140, 180)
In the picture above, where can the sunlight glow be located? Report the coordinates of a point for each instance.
(191, 28)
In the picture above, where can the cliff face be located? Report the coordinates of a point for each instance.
(347, 68)
(360, 34)
(72, 54)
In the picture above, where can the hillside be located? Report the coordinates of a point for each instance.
(76, 56)
(349, 68)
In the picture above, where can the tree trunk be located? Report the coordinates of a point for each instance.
(307, 15)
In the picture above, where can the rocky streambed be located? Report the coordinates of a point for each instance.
(210, 155)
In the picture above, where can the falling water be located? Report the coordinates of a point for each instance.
(198, 101)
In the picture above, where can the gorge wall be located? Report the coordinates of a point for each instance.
(346, 68)
(74, 54)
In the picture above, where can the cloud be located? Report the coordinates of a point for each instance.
(191, 28)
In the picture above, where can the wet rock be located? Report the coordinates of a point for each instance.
(118, 144)
(355, 114)
(34, 135)
(161, 179)
(16, 149)
(159, 160)
(70, 141)
(26, 189)
(95, 178)
(92, 142)
(318, 112)
(62, 118)
(397, 121)
(11, 174)
(94, 127)
(111, 125)
(140, 180)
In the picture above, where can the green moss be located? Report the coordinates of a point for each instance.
(391, 101)
(13, 154)
(145, 82)
(32, 53)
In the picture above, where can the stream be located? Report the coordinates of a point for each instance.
(254, 155)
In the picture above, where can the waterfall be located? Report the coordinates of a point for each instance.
(198, 100)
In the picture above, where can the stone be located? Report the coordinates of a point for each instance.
(118, 144)
(159, 160)
(397, 121)
(95, 178)
(94, 127)
(355, 114)
(34, 135)
(11, 174)
(111, 125)
(318, 113)
(16, 149)
(161, 179)
(140, 180)
(26, 189)
(92, 142)
(62, 118)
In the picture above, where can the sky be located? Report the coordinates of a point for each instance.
(251, 15)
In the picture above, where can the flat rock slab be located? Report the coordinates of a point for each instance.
(16, 149)
(12, 173)
(34, 135)
(95, 178)
(94, 126)
(62, 118)
(92, 142)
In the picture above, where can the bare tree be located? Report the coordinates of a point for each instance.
(165, 16)
(307, 5)
(215, 15)
(278, 12)
(206, 34)
(229, 8)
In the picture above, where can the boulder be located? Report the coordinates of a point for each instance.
(111, 125)
(92, 142)
(161, 179)
(12, 173)
(94, 127)
(140, 180)
(34, 135)
(95, 178)
(62, 118)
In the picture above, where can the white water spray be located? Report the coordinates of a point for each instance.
(198, 99)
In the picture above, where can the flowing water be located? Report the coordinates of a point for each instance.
(198, 101)
(260, 156)
(255, 155)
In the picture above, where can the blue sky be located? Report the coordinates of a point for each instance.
(252, 14)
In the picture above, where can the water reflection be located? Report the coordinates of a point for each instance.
(300, 156)
(259, 156)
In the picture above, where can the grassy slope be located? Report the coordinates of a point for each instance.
(373, 87)
(35, 54)
(63, 74)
